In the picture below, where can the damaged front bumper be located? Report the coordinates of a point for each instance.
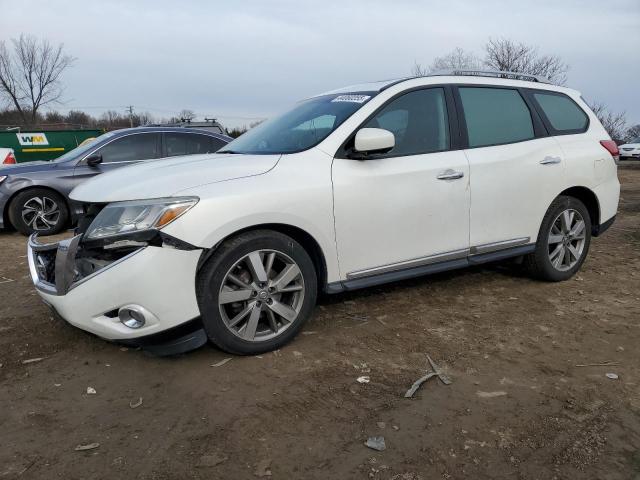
(89, 283)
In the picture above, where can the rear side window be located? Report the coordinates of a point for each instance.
(190, 144)
(495, 116)
(562, 113)
(418, 120)
(216, 144)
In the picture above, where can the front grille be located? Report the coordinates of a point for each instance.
(75, 264)
(91, 260)
(45, 262)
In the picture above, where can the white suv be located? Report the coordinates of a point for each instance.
(356, 187)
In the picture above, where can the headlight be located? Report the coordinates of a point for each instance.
(2, 178)
(129, 217)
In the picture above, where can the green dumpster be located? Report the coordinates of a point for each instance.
(44, 144)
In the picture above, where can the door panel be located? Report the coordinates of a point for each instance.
(511, 188)
(393, 210)
(514, 175)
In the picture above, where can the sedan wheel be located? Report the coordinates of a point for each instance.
(41, 213)
(38, 210)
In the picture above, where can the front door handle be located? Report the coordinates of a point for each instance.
(550, 160)
(450, 175)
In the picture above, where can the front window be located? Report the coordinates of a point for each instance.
(140, 146)
(82, 149)
(418, 121)
(634, 140)
(302, 127)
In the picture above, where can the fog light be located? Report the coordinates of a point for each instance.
(132, 317)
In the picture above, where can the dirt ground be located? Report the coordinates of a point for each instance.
(519, 406)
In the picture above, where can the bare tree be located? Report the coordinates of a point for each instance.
(111, 118)
(418, 70)
(30, 75)
(457, 59)
(506, 55)
(53, 117)
(632, 133)
(142, 118)
(614, 123)
(77, 117)
(187, 115)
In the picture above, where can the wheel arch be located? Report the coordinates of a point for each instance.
(590, 201)
(309, 243)
(7, 205)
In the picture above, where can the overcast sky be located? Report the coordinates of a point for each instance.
(254, 58)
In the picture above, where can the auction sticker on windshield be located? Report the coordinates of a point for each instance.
(352, 98)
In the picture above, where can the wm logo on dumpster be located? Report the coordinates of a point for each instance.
(27, 139)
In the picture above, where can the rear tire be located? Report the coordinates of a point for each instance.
(563, 241)
(38, 210)
(256, 292)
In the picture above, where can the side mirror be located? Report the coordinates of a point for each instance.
(94, 160)
(372, 140)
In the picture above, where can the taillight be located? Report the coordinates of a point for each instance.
(9, 159)
(611, 147)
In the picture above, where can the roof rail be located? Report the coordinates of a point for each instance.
(491, 73)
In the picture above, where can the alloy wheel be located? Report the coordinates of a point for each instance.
(261, 295)
(566, 240)
(41, 213)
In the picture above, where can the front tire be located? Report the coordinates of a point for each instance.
(563, 241)
(38, 210)
(256, 292)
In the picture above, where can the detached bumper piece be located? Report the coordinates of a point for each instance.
(181, 339)
(97, 285)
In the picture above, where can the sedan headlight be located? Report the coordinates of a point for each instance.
(2, 178)
(120, 218)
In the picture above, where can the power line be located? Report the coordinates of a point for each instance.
(129, 110)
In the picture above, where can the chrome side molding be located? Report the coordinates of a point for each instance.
(416, 262)
(440, 257)
(495, 246)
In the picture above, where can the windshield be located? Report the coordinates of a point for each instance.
(82, 149)
(302, 127)
(634, 140)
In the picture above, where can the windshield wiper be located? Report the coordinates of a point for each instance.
(227, 151)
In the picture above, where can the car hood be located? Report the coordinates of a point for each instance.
(27, 167)
(165, 178)
(629, 145)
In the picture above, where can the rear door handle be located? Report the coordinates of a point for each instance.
(550, 160)
(450, 175)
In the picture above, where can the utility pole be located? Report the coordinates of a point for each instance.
(130, 110)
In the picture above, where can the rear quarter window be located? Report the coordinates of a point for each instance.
(562, 113)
